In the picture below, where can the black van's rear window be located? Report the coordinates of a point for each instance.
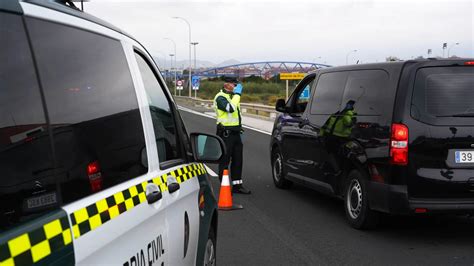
(443, 93)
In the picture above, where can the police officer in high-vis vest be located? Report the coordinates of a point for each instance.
(229, 128)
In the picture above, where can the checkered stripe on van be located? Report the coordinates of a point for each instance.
(40, 242)
(95, 215)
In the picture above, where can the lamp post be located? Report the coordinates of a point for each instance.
(195, 67)
(175, 70)
(347, 56)
(451, 46)
(190, 66)
(171, 69)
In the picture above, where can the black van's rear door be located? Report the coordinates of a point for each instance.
(441, 149)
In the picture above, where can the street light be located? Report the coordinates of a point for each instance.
(171, 69)
(194, 44)
(190, 66)
(451, 46)
(347, 56)
(174, 43)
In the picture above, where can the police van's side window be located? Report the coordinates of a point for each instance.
(328, 94)
(369, 90)
(92, 108)
(26, 163)
(167, 137)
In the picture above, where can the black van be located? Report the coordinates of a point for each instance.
(395, 137)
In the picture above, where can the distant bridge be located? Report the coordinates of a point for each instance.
(265, 69)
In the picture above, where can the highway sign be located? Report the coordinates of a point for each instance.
(195, 83)
(305, 93)
(291, 76)
(179, 85)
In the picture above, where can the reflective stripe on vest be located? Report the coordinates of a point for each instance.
(225, 118)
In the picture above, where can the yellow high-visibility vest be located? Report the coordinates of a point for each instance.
(225, 118)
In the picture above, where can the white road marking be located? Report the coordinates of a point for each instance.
(209, 171)
(210, 116)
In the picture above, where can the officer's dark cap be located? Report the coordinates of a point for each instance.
(230, 80)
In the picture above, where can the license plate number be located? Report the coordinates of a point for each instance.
(41, 201)
(464, 156)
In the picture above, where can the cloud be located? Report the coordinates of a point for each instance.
(296, 30)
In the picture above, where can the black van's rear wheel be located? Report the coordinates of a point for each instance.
(356, 203)
(278, 170)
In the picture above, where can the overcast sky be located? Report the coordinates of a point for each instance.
(253, 30)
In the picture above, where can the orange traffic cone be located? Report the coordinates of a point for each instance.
(225, 195)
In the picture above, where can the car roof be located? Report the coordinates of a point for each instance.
(14, 6)
(396, 64)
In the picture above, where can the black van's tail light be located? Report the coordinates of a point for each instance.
(469, 63)
(95, 176)
(399, 144)
(201, 200)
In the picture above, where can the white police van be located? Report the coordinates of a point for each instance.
(96, 166)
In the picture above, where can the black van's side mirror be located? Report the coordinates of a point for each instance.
(281, 106)
(207, 148)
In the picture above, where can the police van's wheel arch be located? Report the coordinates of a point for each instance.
(278, 169)
(356, 202)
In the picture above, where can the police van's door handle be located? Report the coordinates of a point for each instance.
(154, 197)
(173, 187)
(153, 193)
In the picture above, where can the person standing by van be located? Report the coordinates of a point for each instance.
(229, 128)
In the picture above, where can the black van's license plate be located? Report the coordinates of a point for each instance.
(464, 156)
(41, 201)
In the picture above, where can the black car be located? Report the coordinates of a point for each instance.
(395, 137)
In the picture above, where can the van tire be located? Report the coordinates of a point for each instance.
(210, 254)
(278, 170)
(356, 202)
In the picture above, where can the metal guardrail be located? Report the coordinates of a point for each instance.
(260, 110)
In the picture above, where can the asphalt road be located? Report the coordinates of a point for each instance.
(303, 227)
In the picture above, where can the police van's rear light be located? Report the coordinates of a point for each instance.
(93, 168)
(399, 144)
(421, 210)
(95, 176)
(469, 63)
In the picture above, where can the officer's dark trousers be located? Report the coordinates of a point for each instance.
(233, 159)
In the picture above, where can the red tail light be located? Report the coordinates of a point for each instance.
(399, 144)
(421, 210)
(469, 63)
(93, 168)
(95, 176)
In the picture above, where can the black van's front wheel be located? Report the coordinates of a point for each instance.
(356, 203)
(278, 171)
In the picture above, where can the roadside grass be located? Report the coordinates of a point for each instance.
(256, 90)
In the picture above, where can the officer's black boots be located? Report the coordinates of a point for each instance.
(240, 189)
